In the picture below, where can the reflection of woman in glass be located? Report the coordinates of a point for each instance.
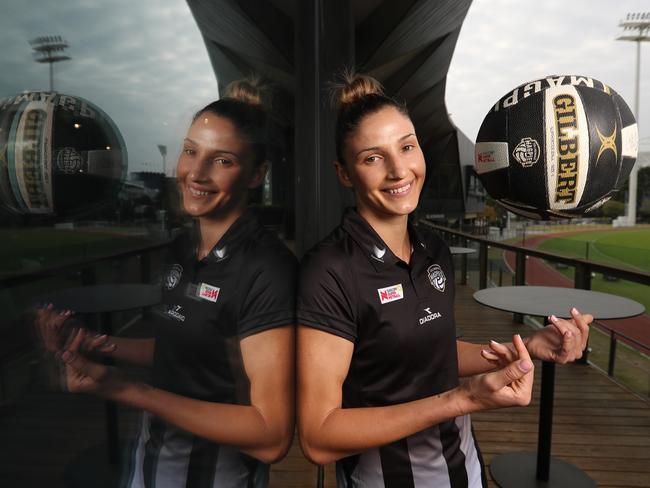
(221, 401)
(378, 360)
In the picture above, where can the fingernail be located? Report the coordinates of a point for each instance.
(525, 365)
(66, 356)
(574, 311)
(553, 318)
(494, 342)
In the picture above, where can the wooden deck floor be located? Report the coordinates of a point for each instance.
(598, 426)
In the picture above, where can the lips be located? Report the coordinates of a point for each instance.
(401, 190)
(195, 192)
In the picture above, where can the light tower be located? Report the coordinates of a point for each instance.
(637, 27)
(49, 49)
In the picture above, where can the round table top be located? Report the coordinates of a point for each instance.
(104, 298)
(461, 250)
(550, 300)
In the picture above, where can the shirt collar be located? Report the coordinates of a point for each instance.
(373, 246)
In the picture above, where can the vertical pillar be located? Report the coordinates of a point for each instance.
(324, 45)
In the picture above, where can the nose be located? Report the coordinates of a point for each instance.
(197, 169)
(397, 167)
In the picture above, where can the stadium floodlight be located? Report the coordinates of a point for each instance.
(636, 27)
(49, 49)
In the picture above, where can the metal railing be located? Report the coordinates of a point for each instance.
(582, 277)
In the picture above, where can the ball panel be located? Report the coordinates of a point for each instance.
(526, 140)
(604, 131)
(567, 147)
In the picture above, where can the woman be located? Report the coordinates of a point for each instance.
(378, 360)
(220, 407)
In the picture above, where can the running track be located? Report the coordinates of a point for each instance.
(538, 273)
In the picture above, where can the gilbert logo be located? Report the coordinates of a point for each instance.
(430, 316)
(209, 292)
(390, 293)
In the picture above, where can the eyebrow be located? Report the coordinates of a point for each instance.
(375, 148)
(187, 139)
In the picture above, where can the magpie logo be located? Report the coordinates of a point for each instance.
(378, 254)
(429, 316)
(220, 254)
(437, 277)
(173, 276)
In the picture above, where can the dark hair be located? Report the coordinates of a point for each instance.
(242, 105)
(355, 97)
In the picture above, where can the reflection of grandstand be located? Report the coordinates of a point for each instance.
(407, 45)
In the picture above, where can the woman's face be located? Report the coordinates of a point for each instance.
(384, 164)
(215, 168)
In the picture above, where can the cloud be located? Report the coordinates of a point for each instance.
(505, 43)
(143, 63)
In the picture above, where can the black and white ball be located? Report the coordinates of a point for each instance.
(59, 155)
(558, 147)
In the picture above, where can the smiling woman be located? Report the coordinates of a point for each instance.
(220, 406)
(378, 360)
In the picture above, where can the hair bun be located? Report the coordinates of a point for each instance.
(353, 86)
(248, 90)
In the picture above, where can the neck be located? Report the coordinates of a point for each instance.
(213, 228)
(393, 230)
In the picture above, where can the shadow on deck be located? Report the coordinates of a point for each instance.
(598, 426)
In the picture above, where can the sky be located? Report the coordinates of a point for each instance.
(145, 63)
(504, 43)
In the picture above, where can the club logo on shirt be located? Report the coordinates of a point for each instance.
(378, 254)
(437, 277)
(220, 254)
(390, 293)
(429, 316)
(174, 311)
(208, 292)
(173, 276)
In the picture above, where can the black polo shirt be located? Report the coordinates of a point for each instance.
(244, 286)
(400, 318)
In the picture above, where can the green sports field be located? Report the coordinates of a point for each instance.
(628, 248)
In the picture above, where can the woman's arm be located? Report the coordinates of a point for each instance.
(263, 430)
(562, 341)
(329, 432)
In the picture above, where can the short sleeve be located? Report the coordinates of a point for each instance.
(326, 296)
(268, 292)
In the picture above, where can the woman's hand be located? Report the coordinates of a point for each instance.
(83, 375)
(55, 330)
(510, 386)
(563, 340)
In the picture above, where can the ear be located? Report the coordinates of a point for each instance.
(343, 174)
(259, 172)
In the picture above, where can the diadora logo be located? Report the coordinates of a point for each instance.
(174, 311)
(209, 292)
(378, 254)
(173, 276)
(220, 254)
(429, 316)
(390, 293)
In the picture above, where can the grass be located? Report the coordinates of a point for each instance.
(35, 247)
(625, 247)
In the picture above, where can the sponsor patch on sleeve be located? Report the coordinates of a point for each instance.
(390, 293)
(209, 292)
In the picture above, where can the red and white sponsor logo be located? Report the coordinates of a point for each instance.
(485, 157)
(390, 293)
(209, 292)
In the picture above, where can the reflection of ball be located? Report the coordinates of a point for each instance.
(557, 147)
(58, 154)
